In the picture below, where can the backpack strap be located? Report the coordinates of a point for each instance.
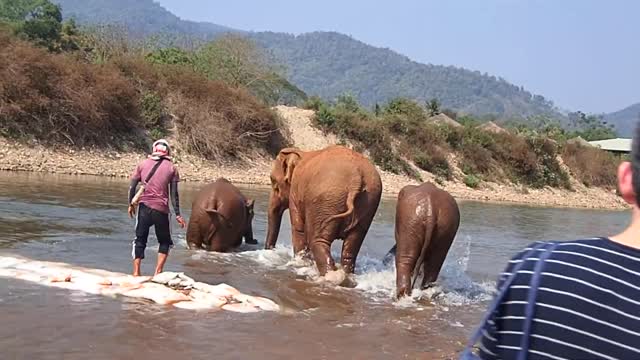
(531, 301)
(153, 170)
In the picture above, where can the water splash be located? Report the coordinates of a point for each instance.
(375, 279)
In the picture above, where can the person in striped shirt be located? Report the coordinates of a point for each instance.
(587, 303)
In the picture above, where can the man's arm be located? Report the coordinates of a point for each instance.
(132, 189)
(131, 210)
(175, 198)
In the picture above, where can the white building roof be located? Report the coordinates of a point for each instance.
(619, 144)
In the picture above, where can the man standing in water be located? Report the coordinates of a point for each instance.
(586, 302)
(160, 178)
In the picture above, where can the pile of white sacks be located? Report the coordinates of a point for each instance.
(168, 288)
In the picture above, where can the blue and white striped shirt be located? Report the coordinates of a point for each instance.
(587, 305)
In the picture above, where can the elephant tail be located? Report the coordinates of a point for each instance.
(418, 271)
(223, 219)
(351, 198)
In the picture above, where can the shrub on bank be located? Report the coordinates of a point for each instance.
(471, 181)
(591, 166)
(55, 98)
(368, 133)
(402, 130)
(61, 98)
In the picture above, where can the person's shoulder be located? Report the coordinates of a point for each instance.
(144, 162)
(584, 245)
(537, 245)
(174, 167)
(602, 248)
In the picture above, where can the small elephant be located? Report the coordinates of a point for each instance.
(427, 220)
(220, 217)
(331, 194)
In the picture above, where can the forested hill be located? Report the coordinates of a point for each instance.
(330, 64)
(139, 16)
(625, 120)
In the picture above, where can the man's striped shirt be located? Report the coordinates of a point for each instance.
(587, 304)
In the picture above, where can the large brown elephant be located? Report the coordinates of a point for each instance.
(331, 194)
(427, 220)
(220, 217)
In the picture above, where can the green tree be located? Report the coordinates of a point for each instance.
(403, 106)
(70, 36)
(38, 20)
(591, 127)
(348, 102)
(433, 107)
(170, 56)
(239, 62)
(234, 59)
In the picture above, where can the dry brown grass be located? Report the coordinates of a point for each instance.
(591, 166)
(60, 98)
(54, 98)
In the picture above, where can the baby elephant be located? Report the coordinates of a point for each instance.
(220, 217)
(427, 220)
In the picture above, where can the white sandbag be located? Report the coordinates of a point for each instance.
(169, 288)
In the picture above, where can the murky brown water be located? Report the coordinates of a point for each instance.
(83, 221)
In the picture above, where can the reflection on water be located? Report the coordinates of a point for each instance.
(83, 221)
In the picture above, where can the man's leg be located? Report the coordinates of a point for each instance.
(143, 222)
(163, 233)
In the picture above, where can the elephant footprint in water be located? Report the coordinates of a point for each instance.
(331, 194)
(220, 217)
(427, 220)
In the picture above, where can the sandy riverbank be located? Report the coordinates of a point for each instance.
(37, 158)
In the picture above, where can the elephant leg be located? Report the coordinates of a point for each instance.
(409, 241)
(350, 249)
(436, 254)
(355, 237)
(321, 249)
(298, 237)
(320, 240)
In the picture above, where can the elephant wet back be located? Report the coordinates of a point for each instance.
(220, 217)
(427, 220)
(331, 180)
(335, 195)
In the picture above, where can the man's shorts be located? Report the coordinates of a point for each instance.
(146, 218)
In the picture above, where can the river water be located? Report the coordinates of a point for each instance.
(83, 221)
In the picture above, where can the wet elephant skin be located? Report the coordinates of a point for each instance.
(331, 194)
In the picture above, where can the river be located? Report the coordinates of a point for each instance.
(83, 221)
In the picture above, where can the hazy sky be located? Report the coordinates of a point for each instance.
(582, 54)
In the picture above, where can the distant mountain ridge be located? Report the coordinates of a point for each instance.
(330, 64)
(625, 120)
(139, 16)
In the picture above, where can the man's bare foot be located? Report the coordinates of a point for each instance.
(162, 258)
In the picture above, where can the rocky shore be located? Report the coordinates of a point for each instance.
(35, 157)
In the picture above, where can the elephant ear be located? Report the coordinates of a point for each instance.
(289, 158)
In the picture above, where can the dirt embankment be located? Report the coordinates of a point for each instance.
(36, 157)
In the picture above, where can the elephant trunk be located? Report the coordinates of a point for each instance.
(273, 230)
